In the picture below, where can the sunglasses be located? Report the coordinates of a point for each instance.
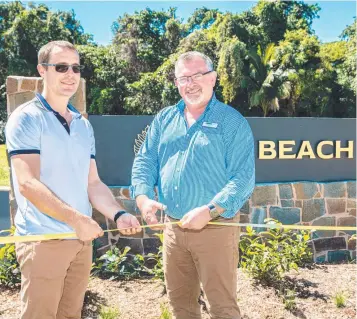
(63, 68)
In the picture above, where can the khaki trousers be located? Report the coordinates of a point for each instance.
(54, 278)
(209, 256)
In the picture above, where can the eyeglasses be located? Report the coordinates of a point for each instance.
(183, 80)
(63, 68)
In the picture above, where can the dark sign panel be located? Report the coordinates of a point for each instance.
(287, 149)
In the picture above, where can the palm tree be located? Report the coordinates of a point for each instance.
(266, 85)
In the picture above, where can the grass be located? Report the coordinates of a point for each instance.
(4, 168)
(165, 311)
(340, 299)
(109, 313)
(289, 300)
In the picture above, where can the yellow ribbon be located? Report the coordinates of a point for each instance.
(30, 238)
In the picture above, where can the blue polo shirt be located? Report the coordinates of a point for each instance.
(65, 154)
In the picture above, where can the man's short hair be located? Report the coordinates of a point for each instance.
(190, 56)
(45, 51)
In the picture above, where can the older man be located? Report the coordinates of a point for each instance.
(200, 153)
(55, 178)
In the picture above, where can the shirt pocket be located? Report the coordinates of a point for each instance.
(209, 137)
(208, 150)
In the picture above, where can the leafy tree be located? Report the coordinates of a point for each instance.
(106, 78)
(266, 85)
(147, 38)
(277, 17)
(347, 72)
(23, 30)
(269, 61)
(153, 91)
(202, 18)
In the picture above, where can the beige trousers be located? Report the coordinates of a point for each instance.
(54, 278)
(209, 256)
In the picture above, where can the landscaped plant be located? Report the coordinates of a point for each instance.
(340, 299)
(118, 264)
(158, 269)
(10, 275)
(109, 313)
(165, 311)
(268, 255)
(289, 300)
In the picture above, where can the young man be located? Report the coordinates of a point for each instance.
(200, 153)
(55, 180)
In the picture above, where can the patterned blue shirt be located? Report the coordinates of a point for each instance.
(212, 161)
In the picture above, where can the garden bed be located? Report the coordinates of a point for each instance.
(315, 290)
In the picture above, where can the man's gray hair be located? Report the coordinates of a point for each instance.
(187, 56)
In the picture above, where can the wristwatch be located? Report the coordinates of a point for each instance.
(213, 212)
(118, 214)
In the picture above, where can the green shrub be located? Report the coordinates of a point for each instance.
(118, 264)
(267, 256)
(10, 275)
(289, 300)
(340, 299)
(109, 313)
(158, 269)
(165, 311)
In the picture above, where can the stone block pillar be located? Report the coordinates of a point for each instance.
(21, 89)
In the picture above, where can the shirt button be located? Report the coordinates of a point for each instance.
(188, 135)
(175, 188)
(177, 170)
(177, 205)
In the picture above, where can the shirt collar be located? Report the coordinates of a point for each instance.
(181, 104)
(47, 106)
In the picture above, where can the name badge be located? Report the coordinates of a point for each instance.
(211, 125)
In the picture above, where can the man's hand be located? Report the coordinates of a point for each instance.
(86, 228)
(130, 222)
(148, 208)
(197, 218)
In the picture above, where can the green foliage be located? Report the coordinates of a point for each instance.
(106, 78)
(26, 30)
(10, 275)
(147, 38)
(202, 18)
(277, 17)
(340, 299)
(268, 59)
(231, 68)
(23, 30)
(117, 264)
(266, 84)
(267, 256)
(158, 270)
(109, 313)
(153, 91)
(165, 311)
(347, 71)
(289, 300)
(4, 167)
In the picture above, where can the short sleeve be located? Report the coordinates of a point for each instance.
(23, 134)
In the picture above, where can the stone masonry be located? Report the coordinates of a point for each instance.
(293, 203)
